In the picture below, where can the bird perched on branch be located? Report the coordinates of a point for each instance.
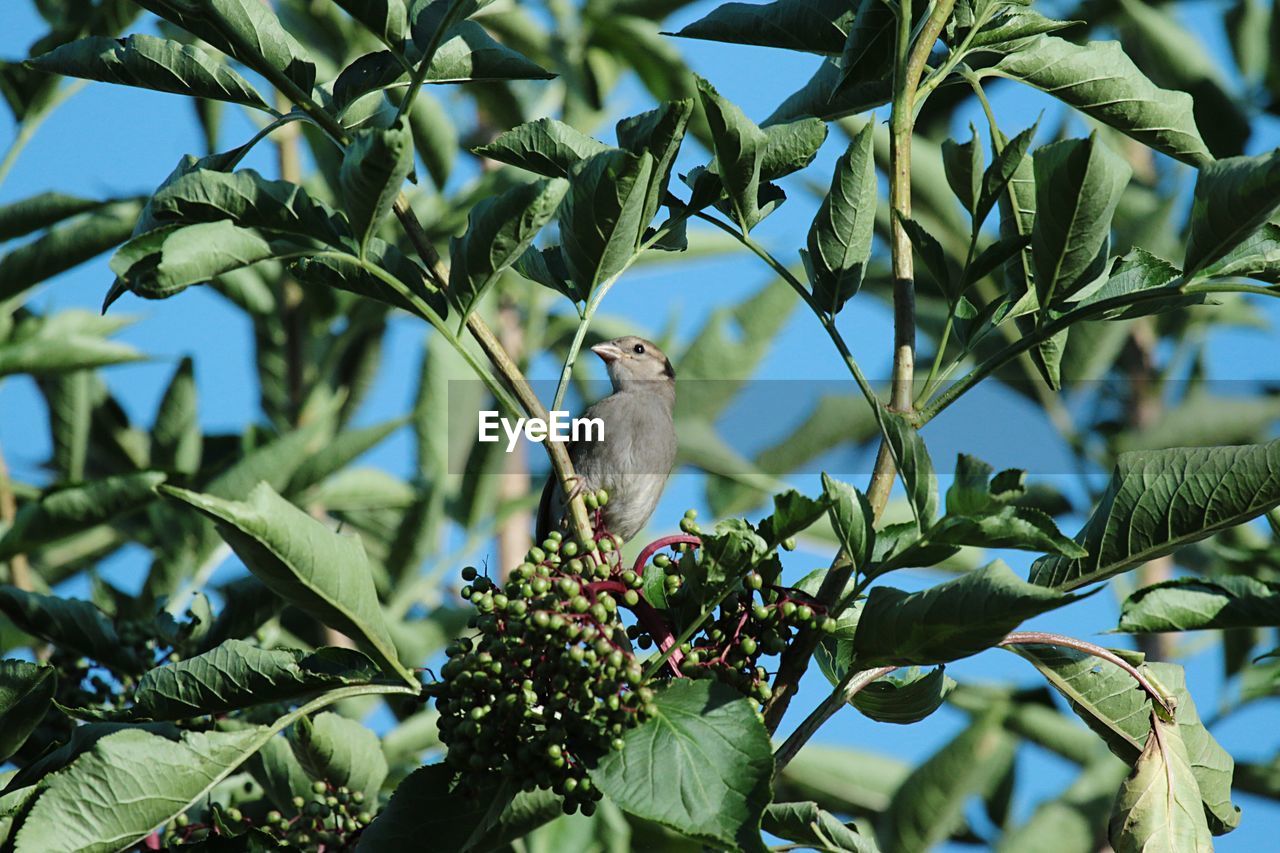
(638, 449)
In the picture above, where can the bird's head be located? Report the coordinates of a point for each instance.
(633, 362)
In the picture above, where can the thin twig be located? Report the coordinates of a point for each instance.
(849, 686)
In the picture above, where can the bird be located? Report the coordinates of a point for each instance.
(638, 449)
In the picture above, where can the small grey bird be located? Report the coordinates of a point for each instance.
(635, 457)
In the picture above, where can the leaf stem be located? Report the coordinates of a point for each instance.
(1042, 638)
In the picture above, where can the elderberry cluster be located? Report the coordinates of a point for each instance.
(332, 819)
(549, 682)
(755, 619)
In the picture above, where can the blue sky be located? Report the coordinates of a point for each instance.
(111, 140)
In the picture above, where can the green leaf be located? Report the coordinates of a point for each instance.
(26, 693)
(499, 231)
(1112, 703)
(71, 340)
(65, 246)
(1257, 257)
(374, 168)
(929, 805)
(1158, 807)
(601, 216)
(739, 148)
(247, 30)
(469, 55)
(839, 240)
(660, 132)
(71, 624)
(151, 63)
(790, 146)
(84, 808)
(176, 439)
(1004, 166)
(305, 563)
(544, 147)
(19, 218)
(75, 508)
(341, 752)
(386, 19)
(916, 468)
(935, 258)
(701, 766)
(1136, 272)
(161, 263)
(342, 450)
(1078, 185)
(237, 674)
(349, 273)
(809, 26)
(906, 698)
(952, 620)
(963, 163)
(427, 805)
(1021, 528)
(851, 519)
(1101, 81)
(810, 826)
(195, 194)
(1160, 500)
(1233, 198)
(1193, 604)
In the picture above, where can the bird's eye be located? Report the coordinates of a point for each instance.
(638, 349)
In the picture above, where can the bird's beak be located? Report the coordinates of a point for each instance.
(608, 352)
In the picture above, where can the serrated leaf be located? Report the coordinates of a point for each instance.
(304, 562)
(1232, 199)
(1078, 185)
(69, 510)
(1257, 257)
(929, 805)
(839, 240)
(340, 751)
(246, 30)
(151, 63)
(176, 439)
(386, 19)
(996, 177)
(660, 132)
(806, 824)
(1135, 272)
(701, 765)
(906, 698)
(544, 146)
(22, 217)
(851, 519)
(810, 26)
(499, 231)
(1159, 500)
(237, 674)
(963, 163)
(1193, 604)
(26, 693)
(374, 167)
(427, 805)
(739, 148)
(71, 624)
(952, 620)
(916, 468)
(1101, 81)
(1158, 807)
(601, 216)
(65, 246)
